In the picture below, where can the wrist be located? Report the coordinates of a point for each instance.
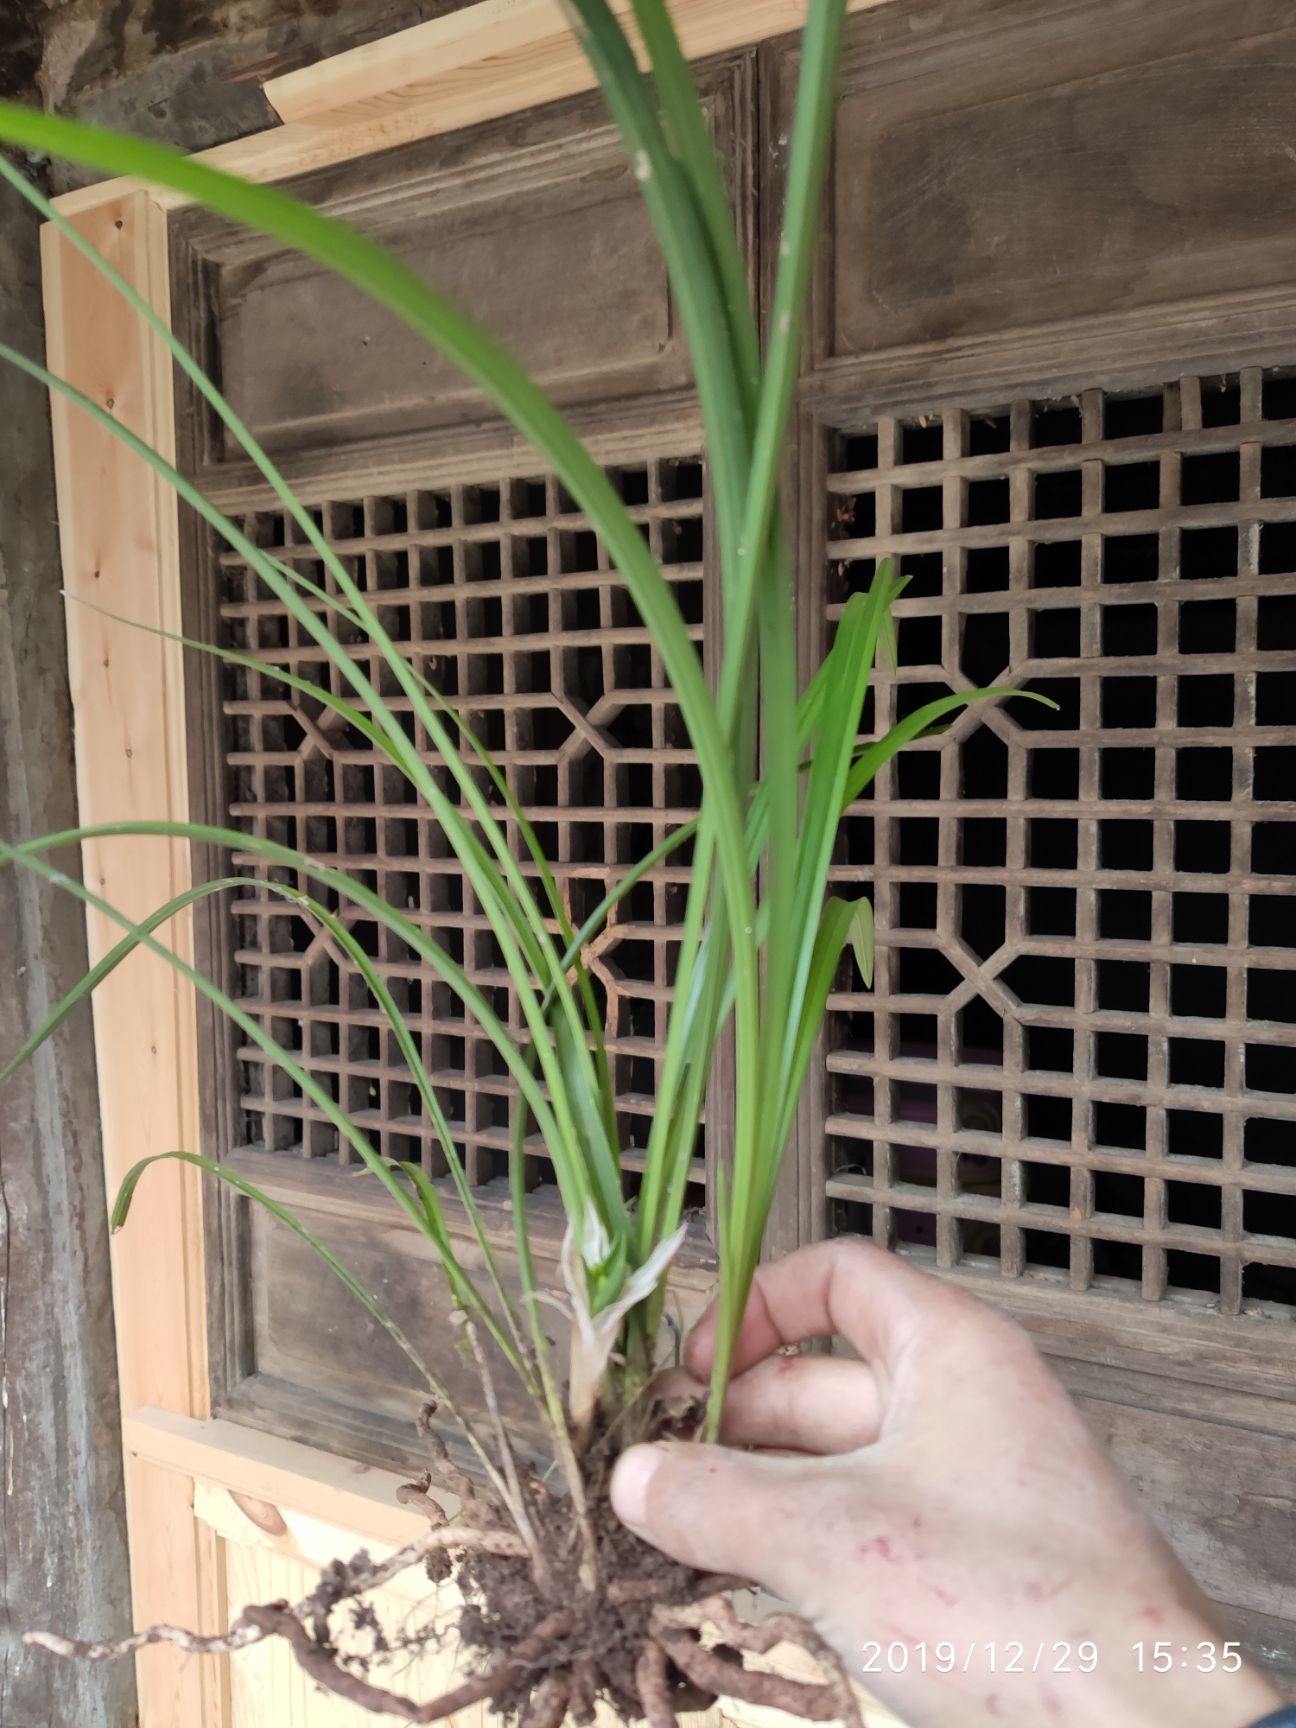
(1163, 1661)
(1188, 1679)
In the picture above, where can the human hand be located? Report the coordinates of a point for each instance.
(946, 1493)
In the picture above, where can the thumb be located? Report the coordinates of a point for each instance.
(712, 1508)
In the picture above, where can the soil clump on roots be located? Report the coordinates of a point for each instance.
(596, 1635)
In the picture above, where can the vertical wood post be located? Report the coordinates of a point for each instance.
(120, 551)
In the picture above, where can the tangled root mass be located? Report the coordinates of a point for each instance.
(575, 1611)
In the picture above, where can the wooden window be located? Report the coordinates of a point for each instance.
(490, 580)
(483, 569)
(498, 593)
(1078, 1063)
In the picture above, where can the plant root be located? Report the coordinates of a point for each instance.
(339, 1582)
(831, 1700)
(651, 1637)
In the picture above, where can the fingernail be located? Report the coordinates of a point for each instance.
(629, 1489)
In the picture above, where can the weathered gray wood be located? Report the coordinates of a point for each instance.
(1227, 1501)
(318, 1366)
(1011, 246)
(1270, 1641)
(1217, 1470)
(1003, 165)
(62, 1529)
(535, 224)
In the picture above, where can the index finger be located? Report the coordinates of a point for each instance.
(845, 1288)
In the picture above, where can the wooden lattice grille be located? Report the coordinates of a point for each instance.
(502, 596)
(1079, 1060)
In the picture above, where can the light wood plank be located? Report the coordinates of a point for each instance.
(177, 1575)
(498, 56)
(119, 549)
(487, 60)
(268, 1688)
(283, 1473)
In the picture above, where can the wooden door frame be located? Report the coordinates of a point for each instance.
(190, 1479)
(120, 551)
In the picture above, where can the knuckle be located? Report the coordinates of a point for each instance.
(852, 1251)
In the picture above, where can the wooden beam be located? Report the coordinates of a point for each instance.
(496, 57)
(284, 1473)
(119, 549)
(479, 63)
(367, 81)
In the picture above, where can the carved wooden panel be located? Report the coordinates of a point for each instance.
(535, 226)
(1010, 164)
(1077, 1069)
